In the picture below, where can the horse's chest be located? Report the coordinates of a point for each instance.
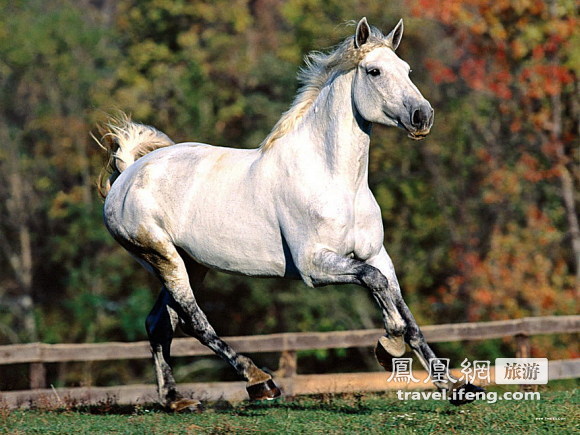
(368, 233)
(349, 227)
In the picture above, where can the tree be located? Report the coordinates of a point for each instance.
(53, 61)
(510, 69)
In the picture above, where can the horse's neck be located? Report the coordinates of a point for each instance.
(339, 139)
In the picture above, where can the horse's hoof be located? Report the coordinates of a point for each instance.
(464, 394)
(185, 405)
(388, 347)
(263, 391)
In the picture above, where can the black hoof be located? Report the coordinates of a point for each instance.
(465, 394)
(383, 358)
(387, 348)
(263, 391)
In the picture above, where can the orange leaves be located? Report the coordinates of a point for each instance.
(480, 16)
(537, 7)
(531, 164)
(476, 74)
(483, 296)
(495, 73)
(518, 49)
(446, 11)
(539, 81)
(515, 276)
(473, 72)
(530, 169)
(504, 45)
(501, 185)
(507, 183)
(440, 72)
(499, 83)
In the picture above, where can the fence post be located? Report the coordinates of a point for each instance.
(523, 350)
(287, 366)
(522, 346)
(37, 373)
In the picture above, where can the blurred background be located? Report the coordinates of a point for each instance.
(481, 218)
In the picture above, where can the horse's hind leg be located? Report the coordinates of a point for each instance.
(160, 325)
(260, 385)
(194, 322)
(173, 273)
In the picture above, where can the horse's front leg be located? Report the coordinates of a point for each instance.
(413, 335)
(328, 267)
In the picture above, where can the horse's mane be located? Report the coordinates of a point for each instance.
(319, 68)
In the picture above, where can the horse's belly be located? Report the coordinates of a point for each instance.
(232, 233)
(238, 252)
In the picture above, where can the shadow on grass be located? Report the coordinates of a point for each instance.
(347, 404)
(106, 408)
(340, 404)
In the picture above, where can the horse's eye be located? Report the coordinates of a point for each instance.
(374, 72)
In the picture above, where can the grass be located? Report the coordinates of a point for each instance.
(556, 412)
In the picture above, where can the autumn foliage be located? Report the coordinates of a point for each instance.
(480, 218)
(516, 63)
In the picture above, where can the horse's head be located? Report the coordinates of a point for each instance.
(382, 90)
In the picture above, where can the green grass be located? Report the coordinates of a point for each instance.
(556, 412)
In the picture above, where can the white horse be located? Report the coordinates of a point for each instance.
(299, 206)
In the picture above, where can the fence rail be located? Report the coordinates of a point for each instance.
(38, 354)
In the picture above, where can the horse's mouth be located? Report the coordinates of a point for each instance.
(418, 135)
(412, 133)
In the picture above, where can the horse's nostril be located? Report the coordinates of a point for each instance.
(417, 118)
(422, 117)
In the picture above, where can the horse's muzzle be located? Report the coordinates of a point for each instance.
(421, 120)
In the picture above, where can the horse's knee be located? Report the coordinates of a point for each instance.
(266, 390)
(373, 278)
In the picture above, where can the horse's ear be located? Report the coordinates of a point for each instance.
(394, 38)
(362, 32)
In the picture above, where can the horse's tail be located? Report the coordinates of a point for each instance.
(125, 141)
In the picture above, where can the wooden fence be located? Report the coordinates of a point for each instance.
(39, 354)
